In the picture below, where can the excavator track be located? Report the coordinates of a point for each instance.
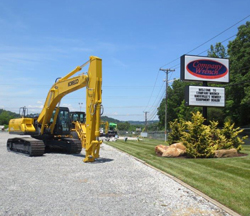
(26, 145)
(75, 146)
(63, 145)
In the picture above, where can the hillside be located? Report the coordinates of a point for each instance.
(109, 119)
(5, 116)
(106, 118)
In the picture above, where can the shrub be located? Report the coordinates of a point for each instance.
(177, 128)
(231, 135)
(201, 140)
(197, 138)
(218, 139)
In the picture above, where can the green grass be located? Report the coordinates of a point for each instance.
(226, 180)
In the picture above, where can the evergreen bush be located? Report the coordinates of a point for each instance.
(197, 138)
(177, 128)
(201, 140)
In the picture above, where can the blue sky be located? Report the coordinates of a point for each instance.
(43, 40)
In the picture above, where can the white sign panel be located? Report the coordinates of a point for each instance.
(205, 96)
(200, 68)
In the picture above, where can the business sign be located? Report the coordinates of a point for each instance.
(200, 68)
(204, 96)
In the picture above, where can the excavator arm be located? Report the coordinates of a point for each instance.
(61, 88)
(93, 111)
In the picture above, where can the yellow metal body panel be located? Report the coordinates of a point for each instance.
(93, 109)
(80, 129)
(22, 126)
(106, 123)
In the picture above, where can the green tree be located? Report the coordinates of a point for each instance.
(238, 92)
(153, 127)
(176, 103)
(5, 116)
(217, 51)
(215, 113)
(123, 126)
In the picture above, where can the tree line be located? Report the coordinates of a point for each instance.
(5, 116)
(237, 105)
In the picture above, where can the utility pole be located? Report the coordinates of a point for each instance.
(146, 120)
(166, 105)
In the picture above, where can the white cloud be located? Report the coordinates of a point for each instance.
(119, 63)
(35, 106)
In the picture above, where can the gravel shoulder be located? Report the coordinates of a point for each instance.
(116, 184)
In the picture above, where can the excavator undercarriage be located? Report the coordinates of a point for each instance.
(26, 145)
(35, 147)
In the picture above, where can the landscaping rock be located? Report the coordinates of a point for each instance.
(174, 150)
(223, 153)
(179, 146)
(160, 149)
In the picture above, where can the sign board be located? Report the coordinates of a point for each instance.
(199, 68)
(144, 134)
(204, 96)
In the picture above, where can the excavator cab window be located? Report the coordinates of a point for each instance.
(78, 116)
(63, 122)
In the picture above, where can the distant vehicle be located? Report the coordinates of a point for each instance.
(112, 132)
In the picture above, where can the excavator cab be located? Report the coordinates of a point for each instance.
(63, 123)
(77, 117)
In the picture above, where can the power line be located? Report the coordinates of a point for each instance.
(178, 65)
(34, 85)
(152, 90)
(154, 112)
(155, 103)
(209, 39)
(219, 34)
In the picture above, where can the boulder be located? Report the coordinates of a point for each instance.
(173, 152)
(179, 146)
(160, 149)
(223, 153)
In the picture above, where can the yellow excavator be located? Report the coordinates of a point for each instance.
(78, 126)
(52, 128)
(106, 128)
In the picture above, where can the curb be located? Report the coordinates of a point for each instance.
(199, 193)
